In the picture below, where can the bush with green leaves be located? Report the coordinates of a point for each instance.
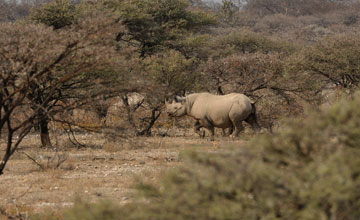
(247, 41)
(171, 72)
(58, 14)
(154, 25)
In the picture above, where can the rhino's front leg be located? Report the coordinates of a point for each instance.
(212, 133)
(197, 127)
(208, 125)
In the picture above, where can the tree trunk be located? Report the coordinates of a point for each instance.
(44, 133)
(1, 104)
(129, 111)
(5, 158)
(154, 117)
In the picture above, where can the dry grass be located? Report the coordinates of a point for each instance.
(108, 171)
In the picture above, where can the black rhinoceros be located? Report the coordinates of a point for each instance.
(209, 111)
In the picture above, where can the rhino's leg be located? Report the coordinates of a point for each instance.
(224, 132)
(238, 128)
(197, 127)
(212, 133)
(230, 131)
(208, 125)
(252, 120)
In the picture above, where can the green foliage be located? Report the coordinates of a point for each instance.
(158, 24)
(58, 14)
(194, 46)
(165, 74)
(247, 41)
(228, 10)
(172, 71)
(334, 59)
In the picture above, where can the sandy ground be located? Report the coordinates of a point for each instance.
(107, 170)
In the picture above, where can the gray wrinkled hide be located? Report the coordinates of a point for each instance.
(209, 111)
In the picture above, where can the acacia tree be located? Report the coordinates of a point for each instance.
(169, 73)
(58, 14)
(155, 25)
(40, 68)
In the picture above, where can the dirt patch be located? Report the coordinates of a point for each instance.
(107, 172)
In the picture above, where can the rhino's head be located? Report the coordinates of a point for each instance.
(177, 108)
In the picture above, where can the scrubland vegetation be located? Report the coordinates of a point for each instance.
(106, 67)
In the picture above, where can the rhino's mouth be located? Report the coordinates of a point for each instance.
(173, 114)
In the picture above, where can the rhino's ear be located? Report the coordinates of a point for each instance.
(166, 101)
(179, 99)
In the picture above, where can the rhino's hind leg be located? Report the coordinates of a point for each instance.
(230, 131)
(238, 128)
(252, 120)
(212, 133)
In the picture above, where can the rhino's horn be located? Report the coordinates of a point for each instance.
(178, 98)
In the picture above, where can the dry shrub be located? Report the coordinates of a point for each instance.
(85, 117)
(333, 60)
(48, 160)
(247, 41)
(311, 33)
(63, 141)
(278, 23)
(292, 7)
(245, 19)
(15, 211)
(265, 79)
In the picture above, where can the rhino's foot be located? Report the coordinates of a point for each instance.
(201, 134)
(233, 136)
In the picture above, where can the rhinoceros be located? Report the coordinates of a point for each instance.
(209, 111)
